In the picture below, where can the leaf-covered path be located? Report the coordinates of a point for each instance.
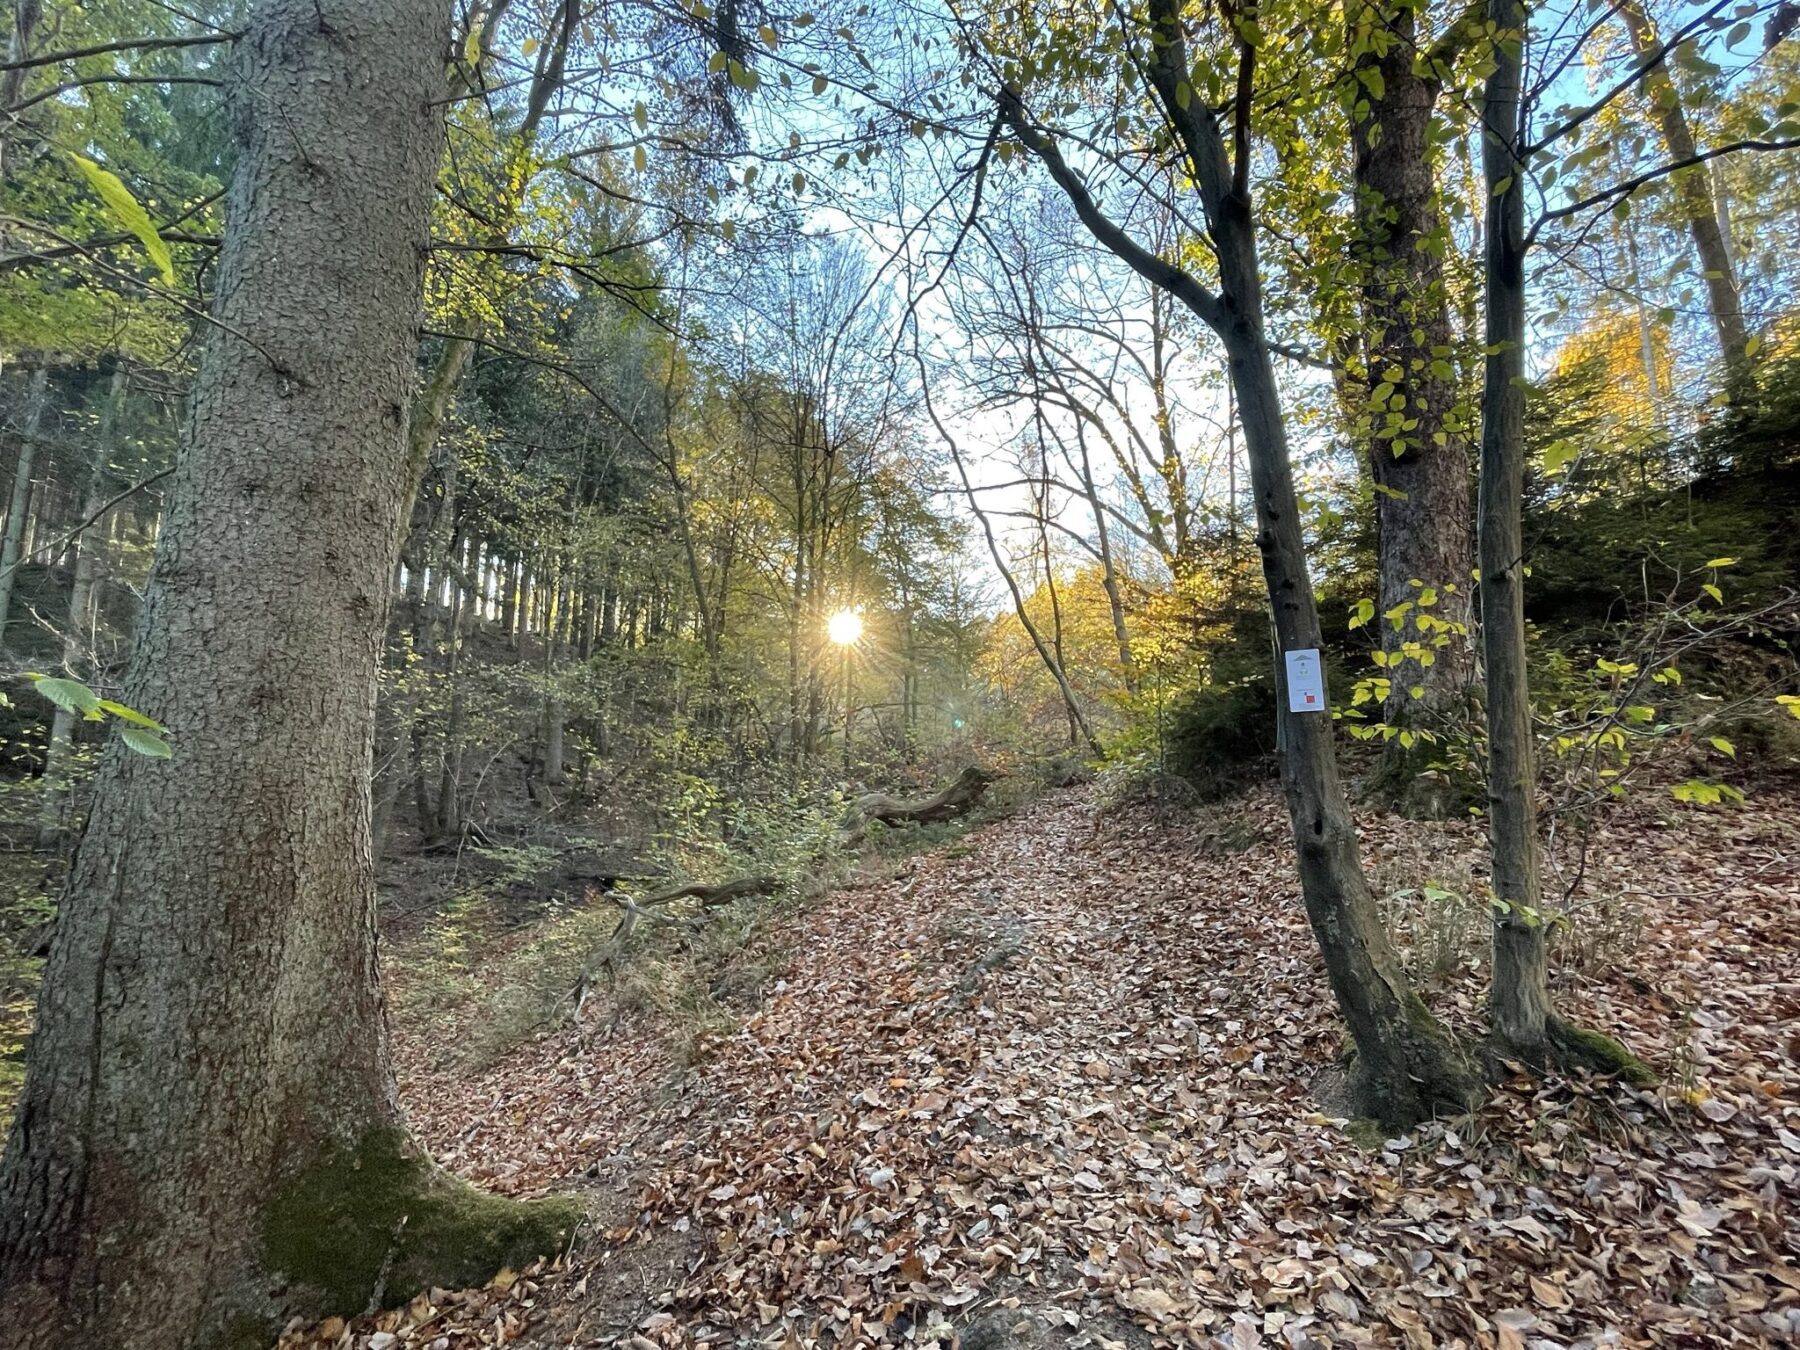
(1061, 1082)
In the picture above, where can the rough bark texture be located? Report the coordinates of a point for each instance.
(1407, 1066)
(1693, 189)
(209, 1047)
(1415, 439)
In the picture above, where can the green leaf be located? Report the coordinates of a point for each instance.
(131, 715)
(1365, 610)
(1753, 346)
(1712, 590)
(1723, 562)
(1559, 453)
(129, 212)
(69, 695)
(1723, 746)
(146, 742)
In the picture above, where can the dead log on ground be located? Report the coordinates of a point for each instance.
(959, 798)
(711, 897)
(605, 958)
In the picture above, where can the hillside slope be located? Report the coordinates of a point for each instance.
(1067, 1083)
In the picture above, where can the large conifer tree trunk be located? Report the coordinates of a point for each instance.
(208, 1135)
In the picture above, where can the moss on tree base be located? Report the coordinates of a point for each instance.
(1430, 1074)
(378, 1222)
(1578, 1048)
(1567, 1046)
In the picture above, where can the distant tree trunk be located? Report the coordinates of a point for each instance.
(1522, 1019)
(449, 796)
(553, 709)
(1693, 190)
(81, 593)
(1077, 725)
(208, 1138)
(12, 548)
(25, 16)
(1109, 572)
(509, 600)
(1408, 1068)
(1415, 440)
(1071, 704)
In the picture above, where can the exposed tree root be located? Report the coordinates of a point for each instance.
(369, 1226)
(1569, 1047)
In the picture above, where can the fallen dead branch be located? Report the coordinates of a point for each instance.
(605, 958)
(959, 798)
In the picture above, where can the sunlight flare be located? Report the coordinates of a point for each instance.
(845, 628)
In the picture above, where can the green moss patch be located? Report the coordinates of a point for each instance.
(1577, 1047)
(377, 1223)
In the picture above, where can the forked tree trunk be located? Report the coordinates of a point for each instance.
(1521, 1017)
(208, 1137)
(1415, 441)
(1408, 1068)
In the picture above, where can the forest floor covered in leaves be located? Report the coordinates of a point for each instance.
(1058, 1084)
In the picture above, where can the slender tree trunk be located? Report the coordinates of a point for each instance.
(12, 547)
(81, 593)
(1407, 1068)
(449, 797)
(1520, 999)
(1522, 1019)
(553, 708)
(1077, 718)
(208, 1138)
(509, 600)
(1693, 189)
(1109, 573)
(1413, 434)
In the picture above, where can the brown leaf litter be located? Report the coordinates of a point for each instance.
(1058, 1090)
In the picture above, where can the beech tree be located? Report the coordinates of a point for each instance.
(208, 1137)
(1522, 1018)
(1407, 1066)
